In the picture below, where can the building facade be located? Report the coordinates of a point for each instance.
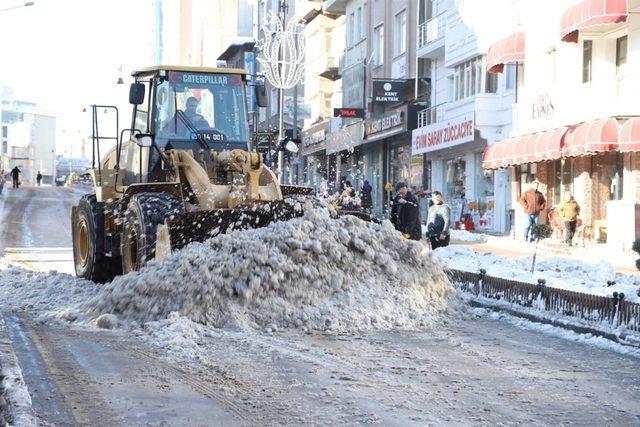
(576, 126)
(378, 70)
(28, 140)
(467, 109)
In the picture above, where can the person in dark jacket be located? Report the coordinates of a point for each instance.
(39, 179)
(15, 176)
(438, 222)
(407, 213)
(366, 201)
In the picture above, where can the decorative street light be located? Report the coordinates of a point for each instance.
(282, 62)
(27, 4)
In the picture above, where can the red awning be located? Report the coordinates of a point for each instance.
(630, 135)
(590, 13)
(509, 49)
(530, 148)
(596, 136)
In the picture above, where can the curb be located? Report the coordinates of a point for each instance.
(584, 330)
(13, 389)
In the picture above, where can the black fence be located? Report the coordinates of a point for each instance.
(614, 311)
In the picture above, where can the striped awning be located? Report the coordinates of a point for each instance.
(591, 13)
(510, 49)
(595, 136)
(630, 135)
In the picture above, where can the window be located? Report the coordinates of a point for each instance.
(351, 30)
(563, 182)
(466, 80)
(587, 61)
(510, 76)
(621, 55)
(4, 131)
(400, 36)
(378, 45)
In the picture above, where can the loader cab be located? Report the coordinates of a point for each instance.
(185, 108)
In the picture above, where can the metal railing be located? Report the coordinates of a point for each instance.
(431, 31)
(614, 311)
(428, 116)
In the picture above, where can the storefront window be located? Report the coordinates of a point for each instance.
(455, 179)
(426, 175)
(400, 161)
(563, 180)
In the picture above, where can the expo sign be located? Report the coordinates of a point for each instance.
(443, 135)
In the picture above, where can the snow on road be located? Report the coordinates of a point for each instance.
(304, 322)
(591, 278)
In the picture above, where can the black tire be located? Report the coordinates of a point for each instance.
(143, 215)
(87, 227)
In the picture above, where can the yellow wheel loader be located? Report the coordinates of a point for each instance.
(184, 173)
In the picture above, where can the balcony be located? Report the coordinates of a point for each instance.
(429, 116)
(331, 69)
(431, 36)
(335, 7)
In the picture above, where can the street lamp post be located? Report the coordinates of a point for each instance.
(27, 4)
(282, 61)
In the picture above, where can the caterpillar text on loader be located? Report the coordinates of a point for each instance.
(185, 173)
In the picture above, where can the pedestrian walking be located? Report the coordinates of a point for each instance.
(533, 203)
(366, 201)
(347, 200)
(15, 176)
(438, 222)
(407, 213)
(39, 179)
(569, 212)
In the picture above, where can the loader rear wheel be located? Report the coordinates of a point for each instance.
(87, 224)
(144, 213)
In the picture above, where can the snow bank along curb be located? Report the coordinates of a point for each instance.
(612, 318)
(15, 401)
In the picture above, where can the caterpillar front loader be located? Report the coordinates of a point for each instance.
(184, 173)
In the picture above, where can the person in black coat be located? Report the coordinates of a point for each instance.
(366, 201)
(407, 213)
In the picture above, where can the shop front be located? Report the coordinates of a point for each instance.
(386, 153)
(451, 153)
(596, 162)
(314, 159)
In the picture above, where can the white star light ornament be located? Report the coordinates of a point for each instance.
(282, 50)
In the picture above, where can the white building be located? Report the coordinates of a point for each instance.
(28, 140)
(468, 109)
(576, 126)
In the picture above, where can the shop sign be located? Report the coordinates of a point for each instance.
(388, 91)
(353, 85)
(542, 108)
(444, 134)
(349, 113)
(381, 124)
(314, 138)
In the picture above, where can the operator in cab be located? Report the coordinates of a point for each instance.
(190, 113)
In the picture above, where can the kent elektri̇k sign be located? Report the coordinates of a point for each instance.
(391, 91)
(349, 113)
(445, 134)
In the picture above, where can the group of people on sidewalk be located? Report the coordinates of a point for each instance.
(405, 216)
(534, 203)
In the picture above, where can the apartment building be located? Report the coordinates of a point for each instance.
(467, 109)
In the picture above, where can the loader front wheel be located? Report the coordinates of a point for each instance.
(143, 215)
(87, 222)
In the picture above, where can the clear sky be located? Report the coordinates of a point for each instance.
(65, 55)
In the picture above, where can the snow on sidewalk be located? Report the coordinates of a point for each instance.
(558, 272)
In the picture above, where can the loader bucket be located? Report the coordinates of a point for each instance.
(201, 225)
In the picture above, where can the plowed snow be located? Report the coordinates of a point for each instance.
(314, 272)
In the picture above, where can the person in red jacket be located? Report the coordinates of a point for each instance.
(533, 203)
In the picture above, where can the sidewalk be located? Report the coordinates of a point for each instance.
(622, 261)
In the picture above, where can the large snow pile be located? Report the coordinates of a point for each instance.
(464, 236)
(558, 272)
(314, 272)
